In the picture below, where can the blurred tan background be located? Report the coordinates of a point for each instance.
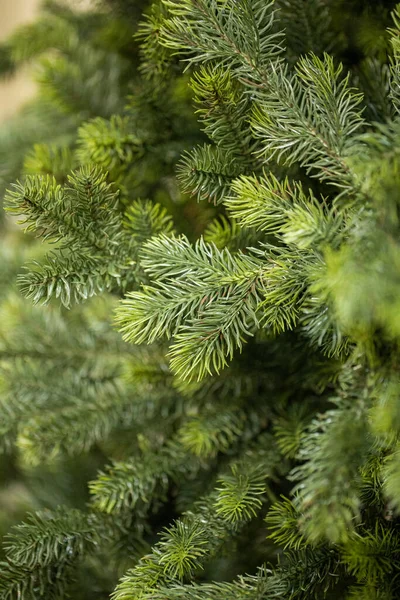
(14, 92)
(17, 90)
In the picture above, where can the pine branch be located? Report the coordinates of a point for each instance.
(238, 37)
(290, 428)
(73, 429)
(224, 111)
(319, 319)
(48, 582)
(110, 144)
(310, 572)
(308, 27)
(371, 556)
(198, 535)
(373, 78)
(211, 433)
(256, 587)
(391, 479)
(226, 233)
(77, 214)
(207, 341)
(41, 554)
(139, 482)
(96, 252)
(282, 207)
(309, 118)
(239, 494)
(283, 524)
(50, 159)
(207, 173)
(155, 63)
(144, 219)
(50, 539)
(284, 293)
(327, 512)
(43, 408)
(67, 82)
(201, 283)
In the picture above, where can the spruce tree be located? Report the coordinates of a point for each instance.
(199, 357)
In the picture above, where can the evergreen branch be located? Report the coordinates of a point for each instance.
(75, 428)
(16, 582)
(182, 549)
(383, 591)
(318, 317)
(39, 122)
(155, 312)
(284, 288)
(372, 555)
(77, 214)
(206, 341)
(200, 261)
(309, 271)
(155, 64)
(174, 555)
(247, 587)
(282, 207)
(374, 79)
(85, 341)
(384, 414)
(83, 409)
(263, 203)
(25, 393)
(290, 428)
(207, 173)
(42, 554)
(67, 81)
(226, 233)
(237, 36)
(110, 144)
(302, 574)
(209, 301)
(311, 572)
(96, 249)
(335, 439)
(233, 384)
(190, 282)
(50, 539)
(50, 159)
(283, 525)
(207, 435)
(309, 118)
(144, 219)
(239, 494)
(34, 397)
(142, 480)
(308, 27)
(391, 479)
(224, 111)
(71, 279)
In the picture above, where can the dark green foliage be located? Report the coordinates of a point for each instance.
(223, 176)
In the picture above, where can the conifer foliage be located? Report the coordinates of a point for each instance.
(200, 389)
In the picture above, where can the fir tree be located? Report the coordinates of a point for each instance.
(213, 350)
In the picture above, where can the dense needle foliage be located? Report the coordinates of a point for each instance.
(199, 356)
